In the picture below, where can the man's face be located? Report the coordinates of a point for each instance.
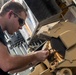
(16, 21)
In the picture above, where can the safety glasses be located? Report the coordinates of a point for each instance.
(20, 20)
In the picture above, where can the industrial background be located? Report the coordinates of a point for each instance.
(50, 13)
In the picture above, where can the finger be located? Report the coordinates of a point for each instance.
(47, 53)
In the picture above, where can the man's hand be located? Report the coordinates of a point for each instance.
(41, 55)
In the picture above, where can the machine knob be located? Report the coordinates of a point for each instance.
(64, 71)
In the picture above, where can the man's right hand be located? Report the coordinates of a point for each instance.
(41, 55)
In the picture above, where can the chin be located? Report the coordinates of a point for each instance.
(11, 33)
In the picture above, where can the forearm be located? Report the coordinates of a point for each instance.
(24, 68)
(20, 69)
(16, 62)
(19, 62)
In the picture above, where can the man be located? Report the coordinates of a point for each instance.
(12, 16)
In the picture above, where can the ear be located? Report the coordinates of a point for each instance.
(10, 13)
